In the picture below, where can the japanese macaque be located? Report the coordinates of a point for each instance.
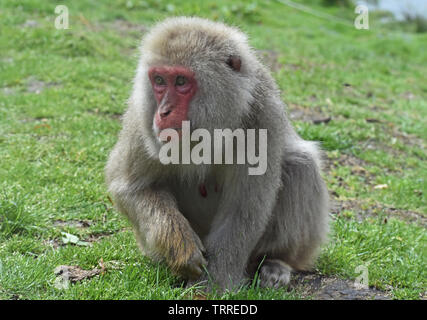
(215, 223)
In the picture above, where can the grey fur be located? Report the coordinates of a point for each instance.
(274, 274)
(280, 215)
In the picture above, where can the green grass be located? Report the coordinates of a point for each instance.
(54, 144)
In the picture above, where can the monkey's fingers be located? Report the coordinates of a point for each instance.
(274, 274)
(194, 266)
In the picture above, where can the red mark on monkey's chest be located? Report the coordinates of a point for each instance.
(204, 192)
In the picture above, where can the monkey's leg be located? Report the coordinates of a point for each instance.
(162, 231)
(299, 223)
(245, 208)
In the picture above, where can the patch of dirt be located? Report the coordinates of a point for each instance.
(395, 134)
(98, 236)
(57, 242)
(329, 288)
(113, 115)
(363, 209)
(36, 119)
(373, 144)
(405, 138)
(347, 161)
(30, 24)
(37, 86)
(125, 27)
(408, 95)
(315, 115)
(121, 26)
(409, 139)
(357, 166)
(8, 91)
(73, 223)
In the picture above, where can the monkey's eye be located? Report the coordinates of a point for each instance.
(159, 81)
(180, 81)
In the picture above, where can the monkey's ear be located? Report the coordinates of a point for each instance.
(235, 63)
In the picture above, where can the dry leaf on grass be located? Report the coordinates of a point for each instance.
(75, 273)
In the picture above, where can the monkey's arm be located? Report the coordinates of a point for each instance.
(163, 231)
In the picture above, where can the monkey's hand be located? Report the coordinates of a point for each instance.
(181, 247)
(162, 231)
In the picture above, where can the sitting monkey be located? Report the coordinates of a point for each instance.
(215, 221)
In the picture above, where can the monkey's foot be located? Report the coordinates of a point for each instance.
(274, 274)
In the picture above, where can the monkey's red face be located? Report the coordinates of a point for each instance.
(173, 87)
